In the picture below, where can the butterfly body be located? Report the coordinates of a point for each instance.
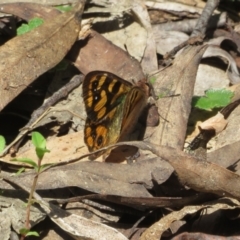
(113, 106)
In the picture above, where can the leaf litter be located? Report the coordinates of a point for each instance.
(163, 175)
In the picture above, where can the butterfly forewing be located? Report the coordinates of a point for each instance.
(102, 92)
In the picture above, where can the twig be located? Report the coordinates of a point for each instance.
(61, 93)
(199, 30)
(202, 23)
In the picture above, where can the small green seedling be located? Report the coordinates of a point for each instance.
(2, 143)
(40, 144)
(40, 148)
(33, 23)
(214, 98)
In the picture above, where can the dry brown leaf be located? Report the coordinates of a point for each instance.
(13, 207)
(167, 40)
(23, 60)
(208, 77)
(176, 83)
(126, 28)
(29, 10)
(103, 178)
(5, 226)
(214, 51)
(226, 155)
(156, 230)
(78, 227)
(149, 60)
(107, 57)
(197, 174)
(225, 147)
(217, 123)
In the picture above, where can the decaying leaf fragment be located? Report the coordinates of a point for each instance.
(157, 229)
(25, 57)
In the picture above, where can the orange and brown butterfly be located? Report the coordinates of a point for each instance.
(113, 106)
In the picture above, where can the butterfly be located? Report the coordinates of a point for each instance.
(113, 106)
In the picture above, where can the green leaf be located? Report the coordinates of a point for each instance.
(64, 8)
(38, 140)
(42, 167)
(2, 143)
(33, 23)
(32, 233)
(25, 160)
(214, 98)
(27, 232)
(40, 144)
(22, 169)
(23, 231)
(41, 151)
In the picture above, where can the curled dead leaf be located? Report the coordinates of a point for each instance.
(217, 123)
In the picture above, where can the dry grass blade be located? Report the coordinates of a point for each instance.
(27, 56)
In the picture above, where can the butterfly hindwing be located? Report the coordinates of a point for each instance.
(135, 102)
(100, 134)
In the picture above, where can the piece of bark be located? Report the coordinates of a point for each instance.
(24, 59)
